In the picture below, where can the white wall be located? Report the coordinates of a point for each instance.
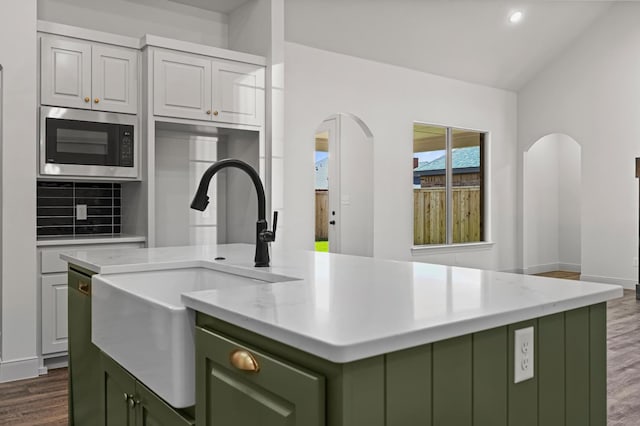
(18, 310)
(552, 214)
(258, 27)
(158, 17)
(388, 99)
(591, 94)
(541, 206)
(570, 204)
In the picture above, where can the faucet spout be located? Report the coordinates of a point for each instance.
(263, 235)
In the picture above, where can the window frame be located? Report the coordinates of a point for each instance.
(485, 196)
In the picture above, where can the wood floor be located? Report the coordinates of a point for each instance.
(40, 401)
(43, 401)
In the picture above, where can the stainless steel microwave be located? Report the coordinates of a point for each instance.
(78, 143)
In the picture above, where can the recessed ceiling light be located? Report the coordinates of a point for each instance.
(515, 17)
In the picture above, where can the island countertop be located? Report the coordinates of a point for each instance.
(344, 308)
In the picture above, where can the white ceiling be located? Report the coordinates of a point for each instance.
(221, 6)
(466, 40)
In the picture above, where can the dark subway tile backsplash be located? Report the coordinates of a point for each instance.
(57, 208)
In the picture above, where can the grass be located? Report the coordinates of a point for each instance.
(322, 246)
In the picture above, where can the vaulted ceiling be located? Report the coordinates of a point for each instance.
(467, 40)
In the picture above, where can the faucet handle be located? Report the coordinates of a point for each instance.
(267, 236)
(275, 223)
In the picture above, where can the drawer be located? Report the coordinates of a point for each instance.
(50, 256)
(238, 384)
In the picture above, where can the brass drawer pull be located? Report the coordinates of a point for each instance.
(83, 287)
(243, 360)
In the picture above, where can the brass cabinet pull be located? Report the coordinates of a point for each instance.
(243, 360)
(132, 403)
(126, 396)
(208, 112)
(87, 99)
(84, 288)
(96, 100)
(215, 113)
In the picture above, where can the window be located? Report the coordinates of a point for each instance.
(448, 185)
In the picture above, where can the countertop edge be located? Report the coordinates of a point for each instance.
(89, 241)
(360, 350)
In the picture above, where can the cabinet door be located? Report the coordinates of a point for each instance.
(238, 93)
(65, 73)
(54, 313)
(278, 394)
(114, 79)
(118, 394)
(153, 411)
(181, 86)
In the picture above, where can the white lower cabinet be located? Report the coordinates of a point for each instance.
(54, 313)
(53, 294)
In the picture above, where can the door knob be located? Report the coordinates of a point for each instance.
(96, 100)
(215, 113)
(332, 222)
(87, 99)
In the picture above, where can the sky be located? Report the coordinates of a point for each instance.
(321, 155)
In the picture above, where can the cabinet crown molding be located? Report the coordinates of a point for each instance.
(148, 40)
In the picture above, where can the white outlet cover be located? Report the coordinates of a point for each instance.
(81, 212)
(523, 351)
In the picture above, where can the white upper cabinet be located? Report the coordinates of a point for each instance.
(181, 86)
(114, 85)
(238, 92)
(197, 87)
(65, 73)
(87, 75)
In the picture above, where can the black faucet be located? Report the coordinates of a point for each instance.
(263, 235)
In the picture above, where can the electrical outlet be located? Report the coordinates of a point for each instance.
(81, 212)
(523, 355)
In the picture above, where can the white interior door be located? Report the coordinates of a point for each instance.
(329, 129)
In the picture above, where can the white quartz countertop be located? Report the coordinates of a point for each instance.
(68, 240)
(345, 308)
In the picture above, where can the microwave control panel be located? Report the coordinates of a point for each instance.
(126, 146)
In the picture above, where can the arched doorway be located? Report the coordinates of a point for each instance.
(552, 205)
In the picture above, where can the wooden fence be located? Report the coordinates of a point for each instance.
(430, 217)
(322, 215)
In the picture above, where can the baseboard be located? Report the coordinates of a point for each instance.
(626, 283)
(539, 269)
(56, 362)
(569, 267)
(19, 369)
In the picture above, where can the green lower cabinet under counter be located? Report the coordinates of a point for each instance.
(127, 402)
(463, 381)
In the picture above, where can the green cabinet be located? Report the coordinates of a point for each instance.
(127, 402)
(84, 356)
(462, 381)
(239, 385)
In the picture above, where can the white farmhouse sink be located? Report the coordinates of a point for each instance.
(139, 321)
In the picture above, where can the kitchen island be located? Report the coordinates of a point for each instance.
(347, 341)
